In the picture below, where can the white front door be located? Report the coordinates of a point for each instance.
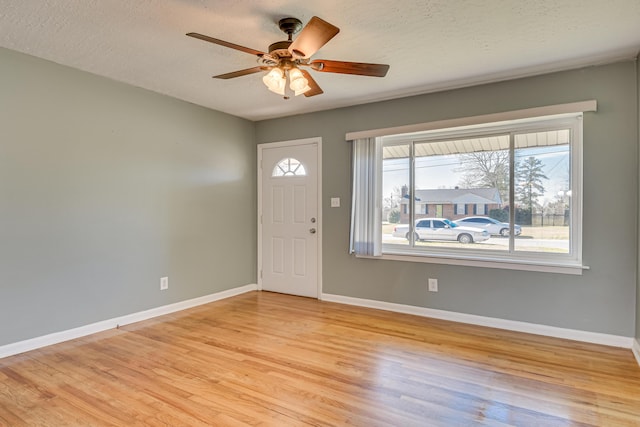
(290, 224)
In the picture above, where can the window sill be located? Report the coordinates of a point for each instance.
(470, 261)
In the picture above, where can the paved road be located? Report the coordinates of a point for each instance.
(500, 243)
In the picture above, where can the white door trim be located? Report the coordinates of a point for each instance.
(320, 227)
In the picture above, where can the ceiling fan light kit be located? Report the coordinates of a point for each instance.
(285, 58)
(275, 80)
(298, 83)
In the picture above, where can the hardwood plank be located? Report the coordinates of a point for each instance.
(261, 359)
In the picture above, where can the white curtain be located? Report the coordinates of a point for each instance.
(366, 209)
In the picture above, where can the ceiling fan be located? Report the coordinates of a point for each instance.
(285, 58)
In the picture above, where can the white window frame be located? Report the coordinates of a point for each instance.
(521, 121)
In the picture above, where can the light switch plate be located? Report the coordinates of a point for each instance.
(335, 202)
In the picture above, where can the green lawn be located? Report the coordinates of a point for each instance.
(552, 232)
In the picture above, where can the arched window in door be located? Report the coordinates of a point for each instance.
(289, 167)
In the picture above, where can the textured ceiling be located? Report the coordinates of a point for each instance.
(430, 45)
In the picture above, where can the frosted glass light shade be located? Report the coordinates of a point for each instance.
(298, 83)
(275, 80)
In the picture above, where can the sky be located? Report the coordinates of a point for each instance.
(447, 172)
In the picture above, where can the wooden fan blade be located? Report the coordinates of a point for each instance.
(240, 73)
(226, 44)
(315, 89)
(342, 67)
(313, 36)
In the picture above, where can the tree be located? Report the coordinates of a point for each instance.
(391, 206)
(394, 216)
(501, 215)
(529, 186)
(486, 169)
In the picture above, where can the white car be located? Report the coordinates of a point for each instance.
(493, 226)
(441, 229)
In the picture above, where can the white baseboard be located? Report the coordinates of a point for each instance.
(58, 337)
(636, 350)
(492, 322)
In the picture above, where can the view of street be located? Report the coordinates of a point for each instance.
(552, 239)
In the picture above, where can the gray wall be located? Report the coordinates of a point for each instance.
(104, 188)
(602, 300)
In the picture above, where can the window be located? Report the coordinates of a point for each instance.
(523, 175)
(289, 167)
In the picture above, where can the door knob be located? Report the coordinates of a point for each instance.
(312, 231)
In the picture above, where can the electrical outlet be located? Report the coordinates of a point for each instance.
(433, 285)
(164, 283)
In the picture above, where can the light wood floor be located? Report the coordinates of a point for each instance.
(275, 360)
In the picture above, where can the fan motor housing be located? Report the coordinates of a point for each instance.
(277, 46)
